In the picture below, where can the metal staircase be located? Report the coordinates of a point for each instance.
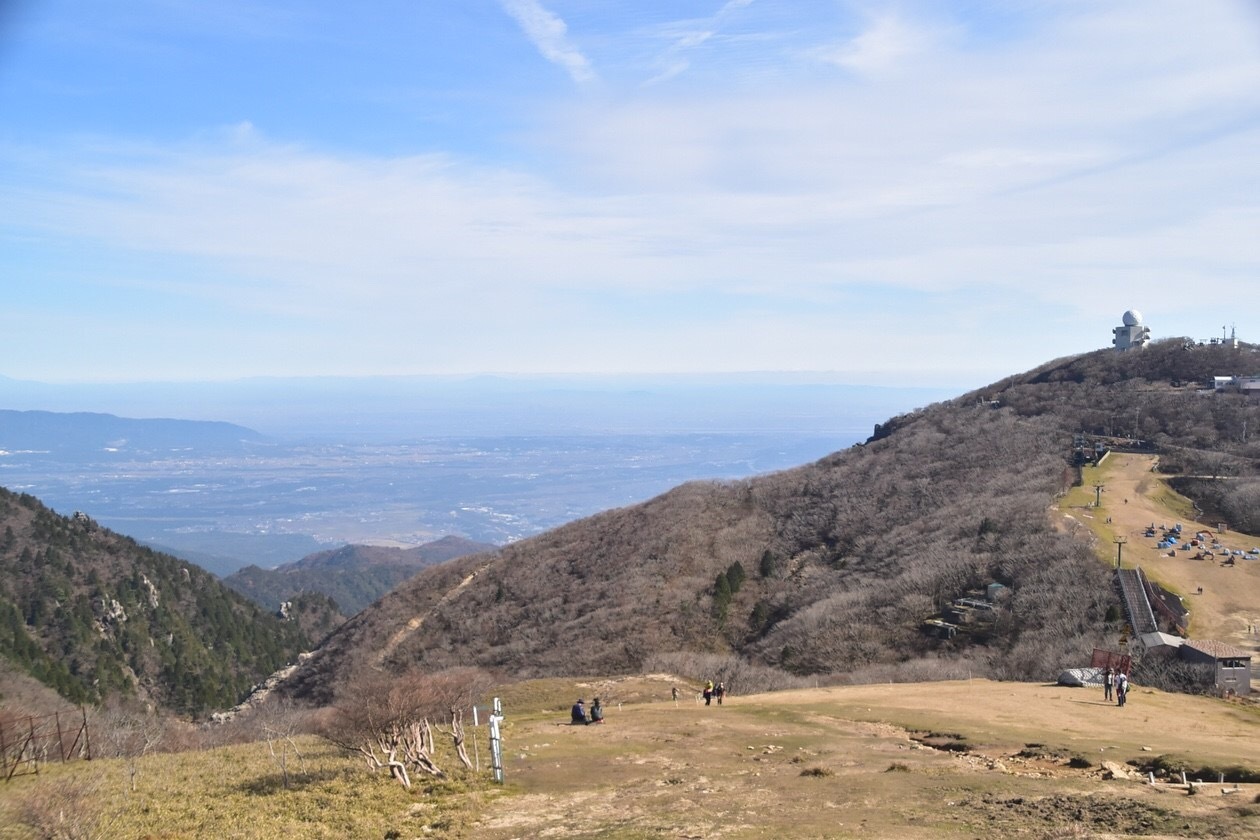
(1136, 604)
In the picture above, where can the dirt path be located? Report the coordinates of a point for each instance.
(1133, 497)
(417, 621)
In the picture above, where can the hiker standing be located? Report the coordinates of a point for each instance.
(1107, 685)
(1122, 688)
(708, 692)
(720, 692)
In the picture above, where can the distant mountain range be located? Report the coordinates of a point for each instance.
(393, 408)
(76, 435)
(353, 576)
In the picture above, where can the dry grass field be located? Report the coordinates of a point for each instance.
(956, 759)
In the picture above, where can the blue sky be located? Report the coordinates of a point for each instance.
(936, 193)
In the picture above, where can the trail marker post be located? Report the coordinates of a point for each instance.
(476, 751)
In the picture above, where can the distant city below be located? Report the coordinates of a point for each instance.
(404, 462)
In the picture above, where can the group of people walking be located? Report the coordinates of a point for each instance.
(1115, 682)
(580, 715)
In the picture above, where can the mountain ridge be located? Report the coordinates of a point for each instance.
(353, 576)
(74, 433)
(823, 571)
(838, 561)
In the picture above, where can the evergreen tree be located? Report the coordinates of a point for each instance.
(768, 564)
(721, 596)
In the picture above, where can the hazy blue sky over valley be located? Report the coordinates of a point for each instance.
(937, 192)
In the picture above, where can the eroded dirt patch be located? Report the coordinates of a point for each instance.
(1089, 815)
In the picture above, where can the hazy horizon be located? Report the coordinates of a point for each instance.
(395, 461)
(391, 407)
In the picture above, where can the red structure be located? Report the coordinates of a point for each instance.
(1121, 662)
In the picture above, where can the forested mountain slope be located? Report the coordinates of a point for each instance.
(353, 576)
(828, 569)
(90, 613)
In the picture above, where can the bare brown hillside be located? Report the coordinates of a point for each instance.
(838, 563)
(827, 571)
(353, 576)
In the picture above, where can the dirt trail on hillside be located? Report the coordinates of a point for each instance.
(1229, 604)
(417, 621)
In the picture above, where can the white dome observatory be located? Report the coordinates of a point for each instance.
(1132, 335)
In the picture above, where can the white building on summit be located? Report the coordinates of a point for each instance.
(1133, 335)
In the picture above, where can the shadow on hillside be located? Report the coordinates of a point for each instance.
(274, 783)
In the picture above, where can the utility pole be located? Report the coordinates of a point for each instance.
(1098, 488)
(1119, 541)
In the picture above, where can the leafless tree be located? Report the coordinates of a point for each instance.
(279, 722)
(130, 730)
(452, 691)
(386, 718)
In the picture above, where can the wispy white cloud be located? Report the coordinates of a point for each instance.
(960, 203)
(888, 40)
(688, 35)
(667, 71)
(549, 34)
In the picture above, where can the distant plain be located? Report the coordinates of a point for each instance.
(402, 462)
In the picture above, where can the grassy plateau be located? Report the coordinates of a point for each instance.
(953, 759)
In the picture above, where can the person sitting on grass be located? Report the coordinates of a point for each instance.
(578, 714)
(597, 712)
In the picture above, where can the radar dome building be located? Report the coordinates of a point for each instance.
(1133, 335)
